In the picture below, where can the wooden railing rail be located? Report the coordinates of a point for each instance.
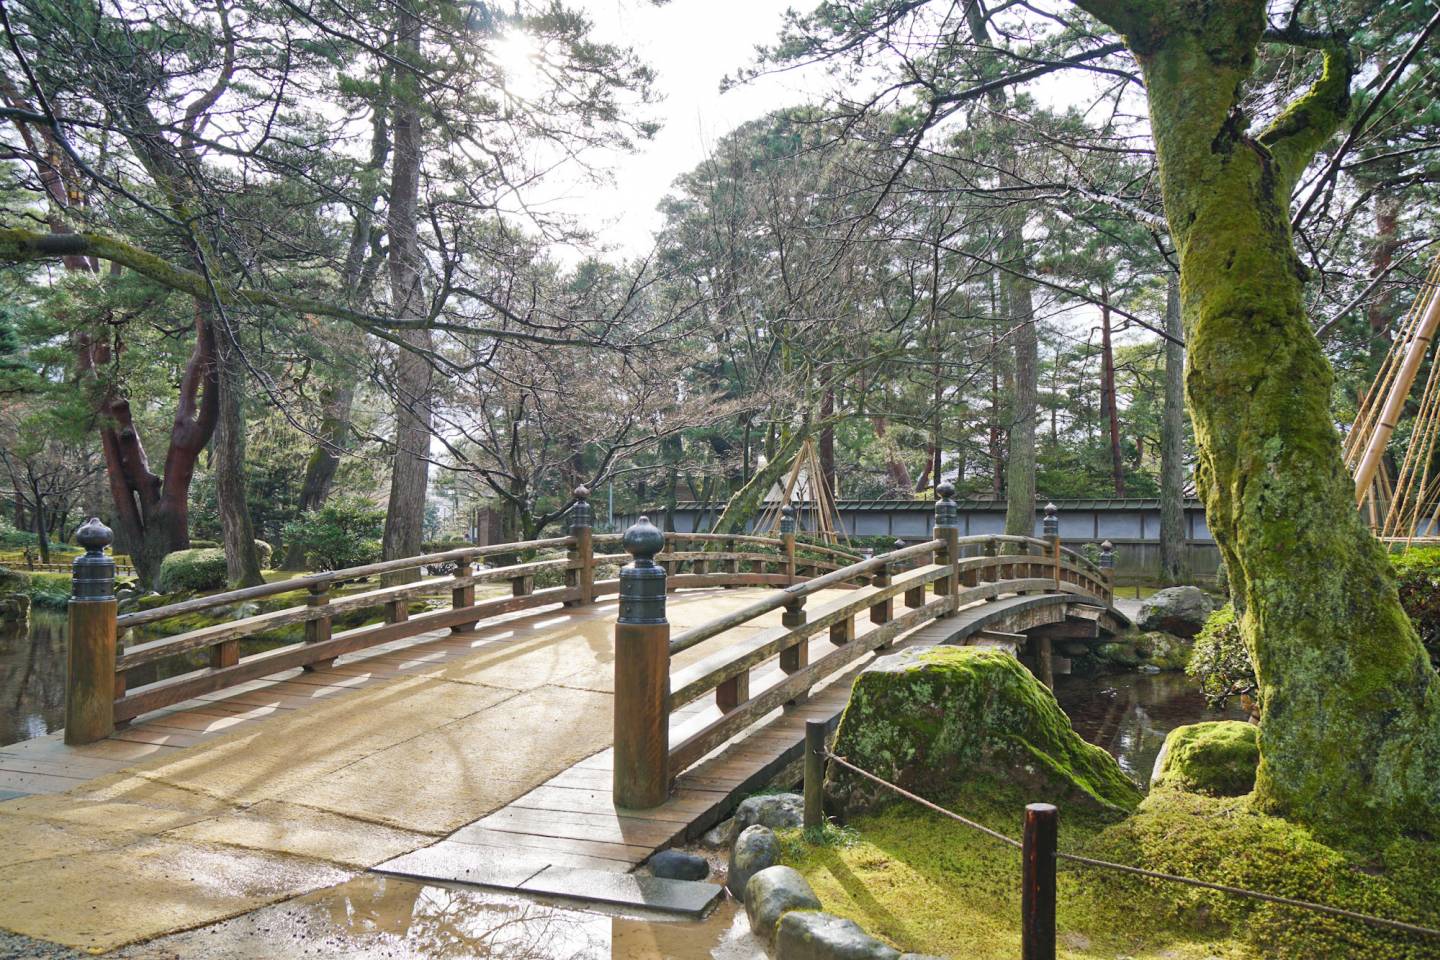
(932, 578)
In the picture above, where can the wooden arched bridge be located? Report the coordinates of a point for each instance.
(539, 735)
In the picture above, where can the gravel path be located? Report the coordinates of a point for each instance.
(15, 947)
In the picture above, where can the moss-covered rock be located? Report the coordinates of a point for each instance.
(1217, 758)
(1164, 650)
(934, 720)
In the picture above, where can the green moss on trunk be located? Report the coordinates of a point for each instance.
(1350, 737)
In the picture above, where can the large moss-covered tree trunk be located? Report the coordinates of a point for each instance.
(1350, 737)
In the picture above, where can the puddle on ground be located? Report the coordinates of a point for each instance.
(373, 917)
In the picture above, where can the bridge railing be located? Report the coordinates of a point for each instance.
(955, 570)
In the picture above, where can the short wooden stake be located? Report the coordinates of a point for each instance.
(90, 660)
(814, 773)
(1037, 893)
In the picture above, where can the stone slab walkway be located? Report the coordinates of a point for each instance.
(236, 801)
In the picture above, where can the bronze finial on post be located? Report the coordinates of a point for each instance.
(947, 528)
(1107, 567)
(90, 661)
(582, 550)
(1051, 527)
(642, 675)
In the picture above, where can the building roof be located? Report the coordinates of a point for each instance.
(1114, 503)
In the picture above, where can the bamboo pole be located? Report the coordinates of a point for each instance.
(1416, 348)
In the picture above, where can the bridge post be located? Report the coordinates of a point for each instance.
(991, 573)
(947, 528)
(1107, 567)
(582, 550)
(321, 628)
(1052, 535)
(642, 675)
(90, 660)
(787, 534)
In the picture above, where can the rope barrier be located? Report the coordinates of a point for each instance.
(1399, 925)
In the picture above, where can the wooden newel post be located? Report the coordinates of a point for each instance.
(947, 528)
(814, 773)
(90, 663)
(1052, 537)
(1037, 894)
(1107, 567)
(787, 535)
(642, 675)
(582, 551)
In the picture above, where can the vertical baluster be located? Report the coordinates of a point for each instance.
(947, 528)
(794, 658)
(321, 628)
(462, 595)
(582, 549)
(1107, 568)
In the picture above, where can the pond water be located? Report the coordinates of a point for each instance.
(1129, 714)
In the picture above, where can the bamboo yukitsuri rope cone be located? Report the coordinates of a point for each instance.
(1396, 513)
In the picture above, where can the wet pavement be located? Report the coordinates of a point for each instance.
(372, 917)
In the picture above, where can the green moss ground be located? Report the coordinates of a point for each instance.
(930, 885)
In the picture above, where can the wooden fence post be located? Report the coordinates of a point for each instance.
(582, 551)
(463, 596)
(947, 528)
(787, 534)
(1052, 535)
(1107, 567)
(642, 675)
(814, 773)
(1037, 883)
(90, 661)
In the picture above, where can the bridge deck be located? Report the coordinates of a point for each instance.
(496, 740)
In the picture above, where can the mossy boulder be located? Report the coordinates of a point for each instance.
(935, 720)
(1218, 758)
(1119, 653)
(1178, 610)
(1164, 651)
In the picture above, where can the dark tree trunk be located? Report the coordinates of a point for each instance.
(1020, 468)
(1108, 401)
(1172, 445)
(410, 471)
(242, 560)
(324, 460)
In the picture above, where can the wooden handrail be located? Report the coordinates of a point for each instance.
(704, 632)
(209, 636)
(304, 582)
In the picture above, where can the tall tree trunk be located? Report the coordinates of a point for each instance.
(1350, 733)
(1108, 404)
(1020, 466)
(410, 470)
(997, 425)
(1172, 445)
(827, 443)
(336, 404)
(242, 560)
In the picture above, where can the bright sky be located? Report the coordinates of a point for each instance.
(691, 45)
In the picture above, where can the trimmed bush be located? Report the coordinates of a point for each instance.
(199, 568)
(345, 532)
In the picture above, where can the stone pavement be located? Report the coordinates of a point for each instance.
(308, 796)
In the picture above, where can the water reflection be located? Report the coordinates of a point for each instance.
(374, 917)
(1129, 714)
(32, 678)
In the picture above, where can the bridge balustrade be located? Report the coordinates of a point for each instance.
(956, 570)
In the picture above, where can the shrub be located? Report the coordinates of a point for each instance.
(1220, 661)
(345, 532)
(1222, 664)
(203, 544)
(199, 568)
(266, 551)
(1417, 576)
(13, 539)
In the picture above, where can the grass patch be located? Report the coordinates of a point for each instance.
(930, 885)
